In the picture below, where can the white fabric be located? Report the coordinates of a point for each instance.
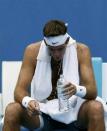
(41, 83)
(81, 91)
(41, 122)
(26, 100)
(56, 40)
(52, 108)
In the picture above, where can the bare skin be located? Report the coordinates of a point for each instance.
(91, 112)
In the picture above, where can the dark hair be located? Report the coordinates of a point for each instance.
(54, 28)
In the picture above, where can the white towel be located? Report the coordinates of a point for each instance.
(52, 109)
(41, 83)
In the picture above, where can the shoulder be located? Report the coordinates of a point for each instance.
(31, 53)
(82, 47)
(33, 49)
(83, 51)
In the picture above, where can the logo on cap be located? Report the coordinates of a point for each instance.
(54, 43)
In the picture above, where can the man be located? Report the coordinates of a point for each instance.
(43, 62)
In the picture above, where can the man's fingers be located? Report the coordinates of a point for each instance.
(69, 93)
(69, 90)
(68, 87)
(33, 108)
(33, 111)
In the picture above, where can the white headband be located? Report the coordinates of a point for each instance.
(56, 40)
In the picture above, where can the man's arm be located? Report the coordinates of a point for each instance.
(86, 71)
(26, 72)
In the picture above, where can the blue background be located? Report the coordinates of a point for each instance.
(21, 23)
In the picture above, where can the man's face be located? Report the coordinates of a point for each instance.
(57, 52)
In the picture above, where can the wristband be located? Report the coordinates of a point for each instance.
(26, 100)
(80, 91)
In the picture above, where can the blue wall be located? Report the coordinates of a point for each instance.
(21, 23)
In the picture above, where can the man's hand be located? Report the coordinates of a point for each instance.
(33, 108)
(69, 90)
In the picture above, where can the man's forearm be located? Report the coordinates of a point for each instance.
(91, 93)
(19, 94)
